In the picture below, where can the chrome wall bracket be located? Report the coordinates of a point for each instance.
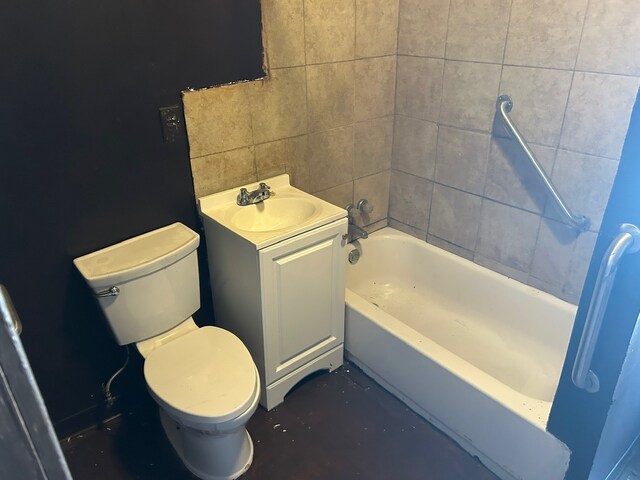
(506, 100)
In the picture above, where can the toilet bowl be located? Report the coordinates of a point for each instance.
(207, 388)
(203, 379)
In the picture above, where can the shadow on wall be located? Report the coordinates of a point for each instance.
(533, 195)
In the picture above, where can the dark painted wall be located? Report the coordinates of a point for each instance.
(83, 162)
(578, 417)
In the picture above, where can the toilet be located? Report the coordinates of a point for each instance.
(202, 378)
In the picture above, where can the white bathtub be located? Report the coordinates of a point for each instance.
(474, 352)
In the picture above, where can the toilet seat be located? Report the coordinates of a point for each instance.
(206, 375)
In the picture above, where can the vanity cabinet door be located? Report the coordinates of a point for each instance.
(302, 298)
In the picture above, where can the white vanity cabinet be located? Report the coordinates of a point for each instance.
(302, 283)
(282, 295)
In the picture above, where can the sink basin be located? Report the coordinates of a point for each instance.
(273, 214)
(289, 212)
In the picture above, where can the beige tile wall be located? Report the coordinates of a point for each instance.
(324, 114)
(565, 63)
(394, 100)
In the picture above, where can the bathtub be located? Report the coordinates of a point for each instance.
(477, 354)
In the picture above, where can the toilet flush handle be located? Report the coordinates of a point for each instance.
(111, 292)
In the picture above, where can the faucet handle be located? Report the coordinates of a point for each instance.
(265, 191)
(243, 197)
(364, 206)
(350, 210)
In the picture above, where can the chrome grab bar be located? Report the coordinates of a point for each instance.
(627, 241)
(579, 222)
(8, 311)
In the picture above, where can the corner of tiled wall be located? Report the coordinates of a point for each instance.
(394, 101)
(457, 182)
(324, 114)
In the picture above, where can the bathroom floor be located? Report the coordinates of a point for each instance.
(336, 426)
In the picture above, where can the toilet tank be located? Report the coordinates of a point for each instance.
(145, 285)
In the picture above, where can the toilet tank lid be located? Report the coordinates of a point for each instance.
(137, 256)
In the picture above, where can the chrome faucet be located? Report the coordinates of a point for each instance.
(246, 197)
(354, 232)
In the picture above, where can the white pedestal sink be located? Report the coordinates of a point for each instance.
(277, 278)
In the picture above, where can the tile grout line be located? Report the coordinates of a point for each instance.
(522, 65)
(504, 53)
(435, 166)
(558, 146)
(395, 111)
(571, 83)
(353, 89)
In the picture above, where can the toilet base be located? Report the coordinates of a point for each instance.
(210, 456)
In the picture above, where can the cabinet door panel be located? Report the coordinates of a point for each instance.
(303, 298)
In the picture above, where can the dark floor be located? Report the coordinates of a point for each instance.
(336, 426)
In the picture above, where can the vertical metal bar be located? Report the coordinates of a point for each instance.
(627, 241)
(26, 399)
(7, 310)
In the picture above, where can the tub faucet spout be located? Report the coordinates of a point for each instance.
(355, 232)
